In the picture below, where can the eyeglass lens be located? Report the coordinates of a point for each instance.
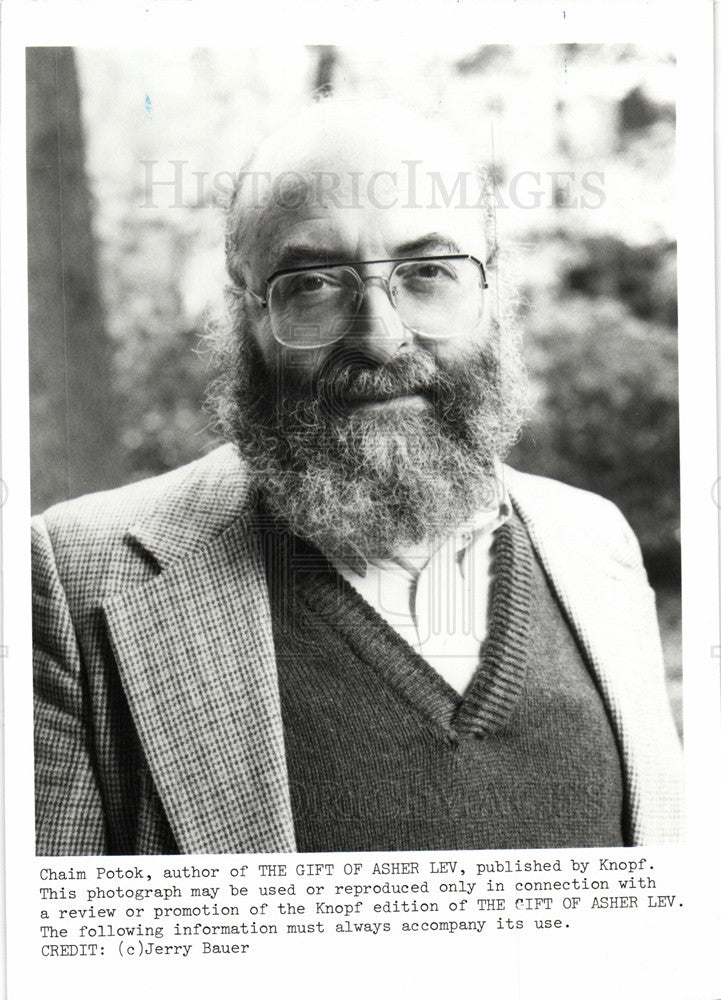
(435, 298)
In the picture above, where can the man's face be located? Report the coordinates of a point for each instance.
(386, 437)
(358, 212)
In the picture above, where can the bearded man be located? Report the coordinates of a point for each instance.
(351, 627)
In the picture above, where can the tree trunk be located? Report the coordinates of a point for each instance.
(72, 420)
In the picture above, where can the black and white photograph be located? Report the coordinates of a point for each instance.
(360, 535)
(326, 616)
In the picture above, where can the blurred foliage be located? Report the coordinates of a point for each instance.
(601, 349)
(160, 376)
(642, 279)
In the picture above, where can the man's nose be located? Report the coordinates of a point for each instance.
(377, 326)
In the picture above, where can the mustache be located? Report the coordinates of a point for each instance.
(350, 376)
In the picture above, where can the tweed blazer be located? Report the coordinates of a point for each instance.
(158, 726)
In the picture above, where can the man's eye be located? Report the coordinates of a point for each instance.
(309, 285)
(430, 272)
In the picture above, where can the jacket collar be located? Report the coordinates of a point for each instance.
(195, 652)
(201, 502)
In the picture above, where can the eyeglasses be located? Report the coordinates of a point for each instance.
(436, 297)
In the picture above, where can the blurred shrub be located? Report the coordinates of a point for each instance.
(159, 377)
(605, 390)
(641, 277)
(638, 111)
(162, 385)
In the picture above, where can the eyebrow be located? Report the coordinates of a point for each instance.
(301, 254)
(304, 254)
(426, 243)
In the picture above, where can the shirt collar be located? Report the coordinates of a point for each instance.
(412, 559)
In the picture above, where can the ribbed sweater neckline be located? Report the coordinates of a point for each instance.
(494, 691)
(495, 688)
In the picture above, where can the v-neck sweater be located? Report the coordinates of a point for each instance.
(384, 755)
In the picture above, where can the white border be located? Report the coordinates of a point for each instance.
(680, 961)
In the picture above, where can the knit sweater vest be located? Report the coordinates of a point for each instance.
(383, 754)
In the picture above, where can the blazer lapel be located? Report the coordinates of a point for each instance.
(611, 609)
(195, 652)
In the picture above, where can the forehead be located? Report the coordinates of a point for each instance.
(334, 233)
(347, 192)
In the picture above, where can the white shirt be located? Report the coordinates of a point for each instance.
(437, 596)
